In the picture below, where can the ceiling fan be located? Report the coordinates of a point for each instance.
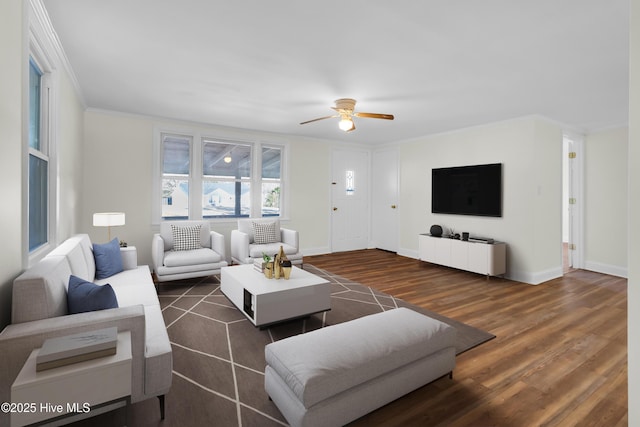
(345, 107)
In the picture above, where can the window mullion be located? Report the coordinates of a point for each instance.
(256, 181)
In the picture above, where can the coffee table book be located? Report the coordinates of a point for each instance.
(76, 348)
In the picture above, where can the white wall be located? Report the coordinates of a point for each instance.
(530, 150)
(606, 192)
(14, 60)
(118, 177)
(633, 231)
(11, 54)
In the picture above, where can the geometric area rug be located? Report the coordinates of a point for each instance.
(218, 355)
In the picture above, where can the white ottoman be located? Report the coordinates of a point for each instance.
(334, 375)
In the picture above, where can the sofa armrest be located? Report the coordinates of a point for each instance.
(17, 341)
(157, 251)
(239, 245)
(290, 237)
(217, 244)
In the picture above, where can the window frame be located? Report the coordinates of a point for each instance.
(196, 178)
(42, 52)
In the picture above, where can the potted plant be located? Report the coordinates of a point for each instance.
(267, 265)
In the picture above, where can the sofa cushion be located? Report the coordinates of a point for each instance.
(41, 291)
(133, 287)
(265, 232)
(186, 238)
(322, 363)
(256, 250)
(83, 296)
(192, 257)
(79, 253)
(108, 259)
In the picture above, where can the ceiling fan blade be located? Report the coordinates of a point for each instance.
(319, 118)
(374, 116)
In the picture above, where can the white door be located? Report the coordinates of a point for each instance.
(350, 200)
(384, 200)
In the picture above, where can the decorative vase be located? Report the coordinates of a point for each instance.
(286, 269)
(268, 270)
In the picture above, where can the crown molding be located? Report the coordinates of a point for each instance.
(39, 20)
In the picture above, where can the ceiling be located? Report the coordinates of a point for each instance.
(269, 65)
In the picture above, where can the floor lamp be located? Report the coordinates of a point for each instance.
(108, 219)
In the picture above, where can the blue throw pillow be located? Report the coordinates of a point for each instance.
(83, 296)
(108, 259)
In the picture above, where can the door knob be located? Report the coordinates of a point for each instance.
(335, 209)
(393, 206)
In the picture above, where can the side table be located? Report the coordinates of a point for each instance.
(72, 392)
(129, 257)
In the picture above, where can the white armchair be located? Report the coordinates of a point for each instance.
(246, 247)
(185, 249)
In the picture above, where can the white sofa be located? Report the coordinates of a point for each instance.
(169, 264)
(39, 311)
(245, 249)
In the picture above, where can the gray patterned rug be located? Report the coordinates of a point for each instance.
(218, 355)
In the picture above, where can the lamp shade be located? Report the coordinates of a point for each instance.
(108, 219)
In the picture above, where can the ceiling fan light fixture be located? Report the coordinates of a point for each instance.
(227, 158)
(346, 124)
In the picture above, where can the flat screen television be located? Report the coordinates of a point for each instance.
(467, 190)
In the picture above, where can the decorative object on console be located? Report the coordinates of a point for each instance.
(465, 236)
(108, 219)
(436, 231)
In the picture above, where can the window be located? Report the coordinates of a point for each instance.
(226, 176)
(38, 164)
(39, 145)
(215, 178)
(176, 169)
(271, 180)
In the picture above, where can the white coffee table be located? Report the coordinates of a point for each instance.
(268, 301)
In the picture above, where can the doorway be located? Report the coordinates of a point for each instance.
(572, 201)
(350, 200)
(384, 200)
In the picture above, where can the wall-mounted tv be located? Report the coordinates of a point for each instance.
(467, 190)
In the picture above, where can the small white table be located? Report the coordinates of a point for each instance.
(74, 391)
(267, 301)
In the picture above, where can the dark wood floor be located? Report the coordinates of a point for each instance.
(559, 359)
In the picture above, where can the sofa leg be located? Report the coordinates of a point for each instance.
(161, 399)
(451, 375)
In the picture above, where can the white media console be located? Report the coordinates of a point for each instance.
(478, 257)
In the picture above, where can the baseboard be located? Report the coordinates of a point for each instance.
(534, 278)
(612, 270)
(316, 251)
(409, 253)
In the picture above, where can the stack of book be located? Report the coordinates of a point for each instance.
(62, 351)
(258, 265)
